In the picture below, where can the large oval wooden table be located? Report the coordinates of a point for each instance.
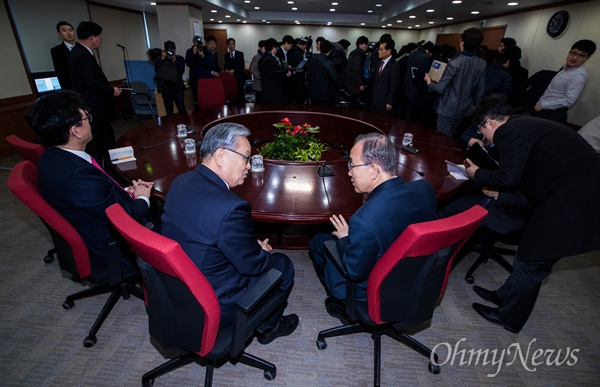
(290, 201)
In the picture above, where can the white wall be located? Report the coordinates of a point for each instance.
(13, 78)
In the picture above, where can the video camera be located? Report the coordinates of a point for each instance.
(308, 51)
(170, 52)
(373, 46)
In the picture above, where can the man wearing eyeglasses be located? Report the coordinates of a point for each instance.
(392, 205)
(214, 227)
(565, 88)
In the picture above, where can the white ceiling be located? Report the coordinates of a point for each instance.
(374, 13)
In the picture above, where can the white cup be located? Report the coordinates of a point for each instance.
(189, 146)
(181, 130)
(257, 163)
(407, 139)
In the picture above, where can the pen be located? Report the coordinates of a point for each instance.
(121, 158)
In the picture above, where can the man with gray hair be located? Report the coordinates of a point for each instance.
(214, 227)
(392, 205)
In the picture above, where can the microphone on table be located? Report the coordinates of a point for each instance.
(412, 169)
(119, 45)
(324, 170)
(153, 145)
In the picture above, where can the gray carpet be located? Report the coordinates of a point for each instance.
(42, 342)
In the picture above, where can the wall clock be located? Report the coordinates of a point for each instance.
(557, 23)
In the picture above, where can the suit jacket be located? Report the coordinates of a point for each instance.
(60, 60)
(461, 87)
(81, 192)
(214, 227)
(391, 207)
(238, 65)
(271, 78)
(559, 173)
(386, 86)
(88, 79)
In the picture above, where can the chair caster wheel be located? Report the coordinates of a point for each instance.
(321, 343)
(434, 368)
(68, 304)
(270, 375)
(48, 259)
(470, 279)
(148, 383)
(89, 341)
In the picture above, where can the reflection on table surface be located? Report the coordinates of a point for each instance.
(292, 192)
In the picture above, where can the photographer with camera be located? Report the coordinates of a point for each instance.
(169, 68)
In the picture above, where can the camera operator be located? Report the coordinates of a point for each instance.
(169, 68)
(193, 57)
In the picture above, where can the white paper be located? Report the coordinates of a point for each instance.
(457, 171)
(121, 155)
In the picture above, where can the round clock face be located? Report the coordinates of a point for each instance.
(557, 23)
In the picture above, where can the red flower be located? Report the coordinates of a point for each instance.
(286, 121)
(297, 129)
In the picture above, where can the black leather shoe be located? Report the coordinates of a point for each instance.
(488, 295)
(285, 326)
(336, 309)
(491, 314)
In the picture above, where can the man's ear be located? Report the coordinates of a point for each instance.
(218, 156)
(75, 131)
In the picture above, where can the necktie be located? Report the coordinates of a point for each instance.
(380, 68)
(95, 164)
(232, 55)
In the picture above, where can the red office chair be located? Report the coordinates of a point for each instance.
(73, 256)
(183, 310)
(406, 283)
(27, 150)
(210, 93)
(229, 85)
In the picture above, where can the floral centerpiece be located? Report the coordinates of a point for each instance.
(294, 142)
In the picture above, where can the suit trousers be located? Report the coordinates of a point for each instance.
(316, 252)
(520, 290)
(178, 98)
(284, 264)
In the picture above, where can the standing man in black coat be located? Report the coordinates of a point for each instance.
(89, 80)
(387, 79)
(272, 74)
(559, 174)
(236, 65)
(60, 54)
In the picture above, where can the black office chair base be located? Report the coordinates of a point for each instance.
(49, 258)
(269, 369)
(124, 290)
(494, 253)
(376, 334)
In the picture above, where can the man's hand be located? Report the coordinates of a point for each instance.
(537, 107)
(471, 168)
(388, 107)
(487, 191)
(140, 188)
(427, 79)
(474, 140)
(116, 91)
(265, 244)
(340, 225)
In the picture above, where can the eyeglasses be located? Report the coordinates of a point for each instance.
(481, 127)
(578, 54)
(351, 166)
(241, 154)
(89, 117)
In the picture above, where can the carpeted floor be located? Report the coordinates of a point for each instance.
(42, 342)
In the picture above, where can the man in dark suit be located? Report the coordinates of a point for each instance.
(392, 206)
(235, 64)
(272, 74)
(89, 80)
(387, 79)
(60, 54)
(70, 181)
(559, 174)
(216, 231)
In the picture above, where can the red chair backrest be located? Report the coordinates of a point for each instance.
(229, 85)
(166, 256)
(410, 257)
(24, 184)
(210, 93)
(27, 150)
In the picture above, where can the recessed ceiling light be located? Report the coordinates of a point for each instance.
(474, 12)
(378, 5)
(412, 17)
(431, 10)
(417, 25)
(247, 1)
(268, 22)
(220, 21)
(370, 11)
(256, 7)
(410, 28)
(512, 4)
(153, 3)
(212, 19)
(431, 22)
(382, 26)
(227, 15)
(213, 11)
(238, 19)
(389, 24)
(456, 2)
(329, 23)
(334, 3)
(294, 9)
(263, 20)
(245, 21)
(331, 9)
(398, 21)
(362, 24)
(449, 18)
(290, 2)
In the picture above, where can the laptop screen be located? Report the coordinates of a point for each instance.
(45, 85)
